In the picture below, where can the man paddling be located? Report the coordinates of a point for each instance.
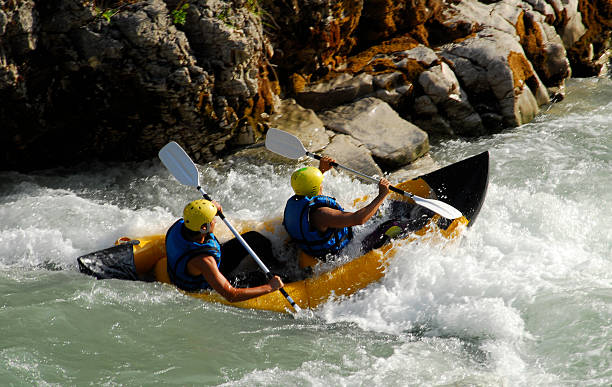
(317, 223)
(197, 261)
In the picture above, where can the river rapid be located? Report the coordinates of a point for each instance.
(523, 299)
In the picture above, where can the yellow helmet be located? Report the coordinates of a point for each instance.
(197, 213)
(307, 181)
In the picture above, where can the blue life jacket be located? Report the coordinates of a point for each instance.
(311, 241)
(179, 251)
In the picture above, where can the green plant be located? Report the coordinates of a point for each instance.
(266, 18)
(253, 6)
(179, 15)
(224, 16)
(107, 13)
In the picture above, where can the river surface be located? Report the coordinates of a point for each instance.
(523, 299)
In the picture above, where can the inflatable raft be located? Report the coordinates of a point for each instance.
(462, 185)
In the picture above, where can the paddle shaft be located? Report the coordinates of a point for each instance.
(249, 249)
(334, 164)
(184, 170)
(288, 145)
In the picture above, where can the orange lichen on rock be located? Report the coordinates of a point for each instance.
(420, 34)
(530, 34)
(401, 43)
(597, 18)
(334, 37)
(298, 82)
(379, 19)
(521, 70)
(532, 40)
(263, 101)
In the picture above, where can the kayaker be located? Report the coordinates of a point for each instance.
(197, 261)
(317, 223)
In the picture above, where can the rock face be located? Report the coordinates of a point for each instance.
(76, 85)
(118, 79)
(393, 141)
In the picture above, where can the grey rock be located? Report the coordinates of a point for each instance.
(415, 169)
(349, 152)
(574, 29)
(442, 87)
(230, 42)
(392, 140)
(482, 64)
(342, 90)
(302, 123)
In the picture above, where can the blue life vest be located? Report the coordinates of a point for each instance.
(311, 241)
(179, 251)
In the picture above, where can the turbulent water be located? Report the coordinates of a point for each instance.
(524, 298)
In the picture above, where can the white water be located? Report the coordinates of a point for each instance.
(525, 298)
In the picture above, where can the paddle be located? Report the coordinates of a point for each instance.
(286, 144)
(184, 170)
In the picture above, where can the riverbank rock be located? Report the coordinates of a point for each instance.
(121, 82)
(393, 141)
(302, 123)
(116, 80)
(350, 152)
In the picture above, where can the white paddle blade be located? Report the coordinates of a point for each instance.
(287, 145)
(284, 144)
(441, 208)
(179, 164)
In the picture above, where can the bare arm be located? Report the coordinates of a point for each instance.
(207, 266)
(325, 217)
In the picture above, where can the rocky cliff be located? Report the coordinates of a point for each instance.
(116, 80)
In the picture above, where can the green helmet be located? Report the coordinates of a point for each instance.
(197, 213)
(307, 181)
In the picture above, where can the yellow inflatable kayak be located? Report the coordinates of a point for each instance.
(462, 185)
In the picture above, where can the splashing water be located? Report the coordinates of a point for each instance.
(524, 298)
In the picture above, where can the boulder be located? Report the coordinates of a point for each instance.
(498, 77)
(392, 140)
(351, 153)
(342, 89)
(302, 123)
(415, 169)
(440, 84)
(573, 28)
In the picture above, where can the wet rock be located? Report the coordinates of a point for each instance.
(302, 123)
(417, 168)
(544, 48)
(349, 152)
(393, 141)
(123, 85)
(492, 66)
(573, 28)
(340, 90)
(442, 87)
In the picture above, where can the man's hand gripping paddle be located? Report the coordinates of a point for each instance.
(286, 144)
(178, 162)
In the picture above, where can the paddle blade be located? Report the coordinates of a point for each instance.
(284, 144)
(441, 208)
(179, 164)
